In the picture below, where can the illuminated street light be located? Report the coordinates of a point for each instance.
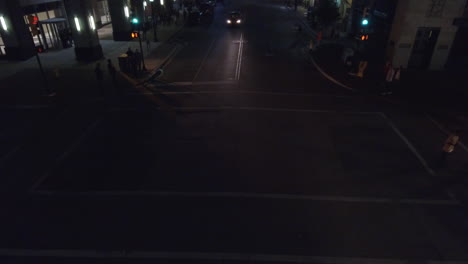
(91, 23)
(162, 2)
(77, 24)
(127, 12)
(4, 25)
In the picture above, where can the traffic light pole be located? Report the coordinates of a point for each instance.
(141, 49)
(155, 22)
(44, 77)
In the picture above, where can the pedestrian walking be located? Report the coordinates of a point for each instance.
(311, 47)
(99, 78)
(396, 78)
(319, 38)
(185, 14)
(388, 81)
(112, 71)
(449, 147)
(138, 60)
(177, 15)
(130, 52)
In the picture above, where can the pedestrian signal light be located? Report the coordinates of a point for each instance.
(135, 35)
(364, 37)
(39, 49)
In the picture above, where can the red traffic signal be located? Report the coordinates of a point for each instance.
(135, 34)
(39, 49)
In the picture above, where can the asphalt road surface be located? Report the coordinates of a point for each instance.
(241, 152)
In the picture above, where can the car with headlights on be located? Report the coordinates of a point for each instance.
(234, 18)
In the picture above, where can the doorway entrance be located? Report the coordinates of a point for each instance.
(423, 48)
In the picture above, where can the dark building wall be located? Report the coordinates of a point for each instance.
(87, 46)
(120, 23)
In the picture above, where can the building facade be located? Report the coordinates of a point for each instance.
(423, 33)
(27, 26)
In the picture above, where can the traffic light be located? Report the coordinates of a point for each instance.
(135, 20)
(364, 37)
(135, 34)
(34, 24)
(39, 49)
(365, 17)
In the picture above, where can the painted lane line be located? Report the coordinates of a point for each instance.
(208, 52)
(269, 109)
(256, 92)
(268, 196)
(176, 50)
(239, 58)
(409, 144)
(200, 83)
(198, 255)
(330, 77)
(76, 143)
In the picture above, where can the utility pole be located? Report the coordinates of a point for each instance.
(154, 20)
(141, 50)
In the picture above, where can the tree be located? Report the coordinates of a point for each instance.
(327, 13)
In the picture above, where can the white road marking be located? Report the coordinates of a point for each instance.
(217, 256)
(239, 58)
(27, 107)
(255, 92)
(68, 151)
(272, 196)
(204, 59)
(330, 77)
(200, 83)
(247, 108)
(171, 56)
(442, 128)
(409, 144)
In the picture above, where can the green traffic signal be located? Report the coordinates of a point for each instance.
(135, 20)
(365, 22)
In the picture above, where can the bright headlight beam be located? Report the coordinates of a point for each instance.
(228, 21)
(238, 21)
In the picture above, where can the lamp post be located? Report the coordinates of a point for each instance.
(137, 25)
(155, 21)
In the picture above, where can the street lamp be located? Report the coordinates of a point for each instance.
(126, 11)
(4, 25)
(91, 23)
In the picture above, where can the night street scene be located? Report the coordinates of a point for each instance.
(234, 131)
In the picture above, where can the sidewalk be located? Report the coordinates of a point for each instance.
(22, 83)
